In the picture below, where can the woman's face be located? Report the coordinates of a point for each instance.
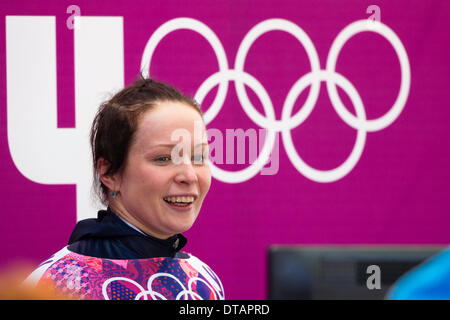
(160, 196)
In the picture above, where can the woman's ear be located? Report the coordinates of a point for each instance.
(110, 181)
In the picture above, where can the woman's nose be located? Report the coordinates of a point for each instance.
(186, 173)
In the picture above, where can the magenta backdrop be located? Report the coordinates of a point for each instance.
(398, 193)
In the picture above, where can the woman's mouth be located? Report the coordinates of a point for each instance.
(180, 201)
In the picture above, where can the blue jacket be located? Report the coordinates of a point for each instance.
(428, 281)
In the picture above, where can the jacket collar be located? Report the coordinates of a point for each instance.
(108, 225)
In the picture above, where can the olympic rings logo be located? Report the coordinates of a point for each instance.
(313, 79)
(209, 279)
(186, 294)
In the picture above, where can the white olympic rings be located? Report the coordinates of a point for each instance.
(313, 78)
(156, 295)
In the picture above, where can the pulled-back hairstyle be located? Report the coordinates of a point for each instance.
(116, 122)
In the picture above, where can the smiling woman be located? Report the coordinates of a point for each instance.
(152, 192)
(150, 198)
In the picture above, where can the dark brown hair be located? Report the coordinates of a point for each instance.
(116, 122)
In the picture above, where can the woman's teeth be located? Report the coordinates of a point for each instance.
(179, 201)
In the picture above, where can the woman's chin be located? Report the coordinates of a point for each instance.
(181, 224)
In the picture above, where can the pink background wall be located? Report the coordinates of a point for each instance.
(398, 192)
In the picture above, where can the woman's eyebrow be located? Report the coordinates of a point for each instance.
(174, 144)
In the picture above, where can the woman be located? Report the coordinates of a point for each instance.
(132, 249)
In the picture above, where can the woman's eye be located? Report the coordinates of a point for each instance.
(162, 159)
(198, 159)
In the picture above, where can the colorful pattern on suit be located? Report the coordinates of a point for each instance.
(76, 276)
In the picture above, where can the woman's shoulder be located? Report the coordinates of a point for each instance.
(37, 274)
(204, 272)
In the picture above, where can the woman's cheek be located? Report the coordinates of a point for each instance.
(206, 180)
